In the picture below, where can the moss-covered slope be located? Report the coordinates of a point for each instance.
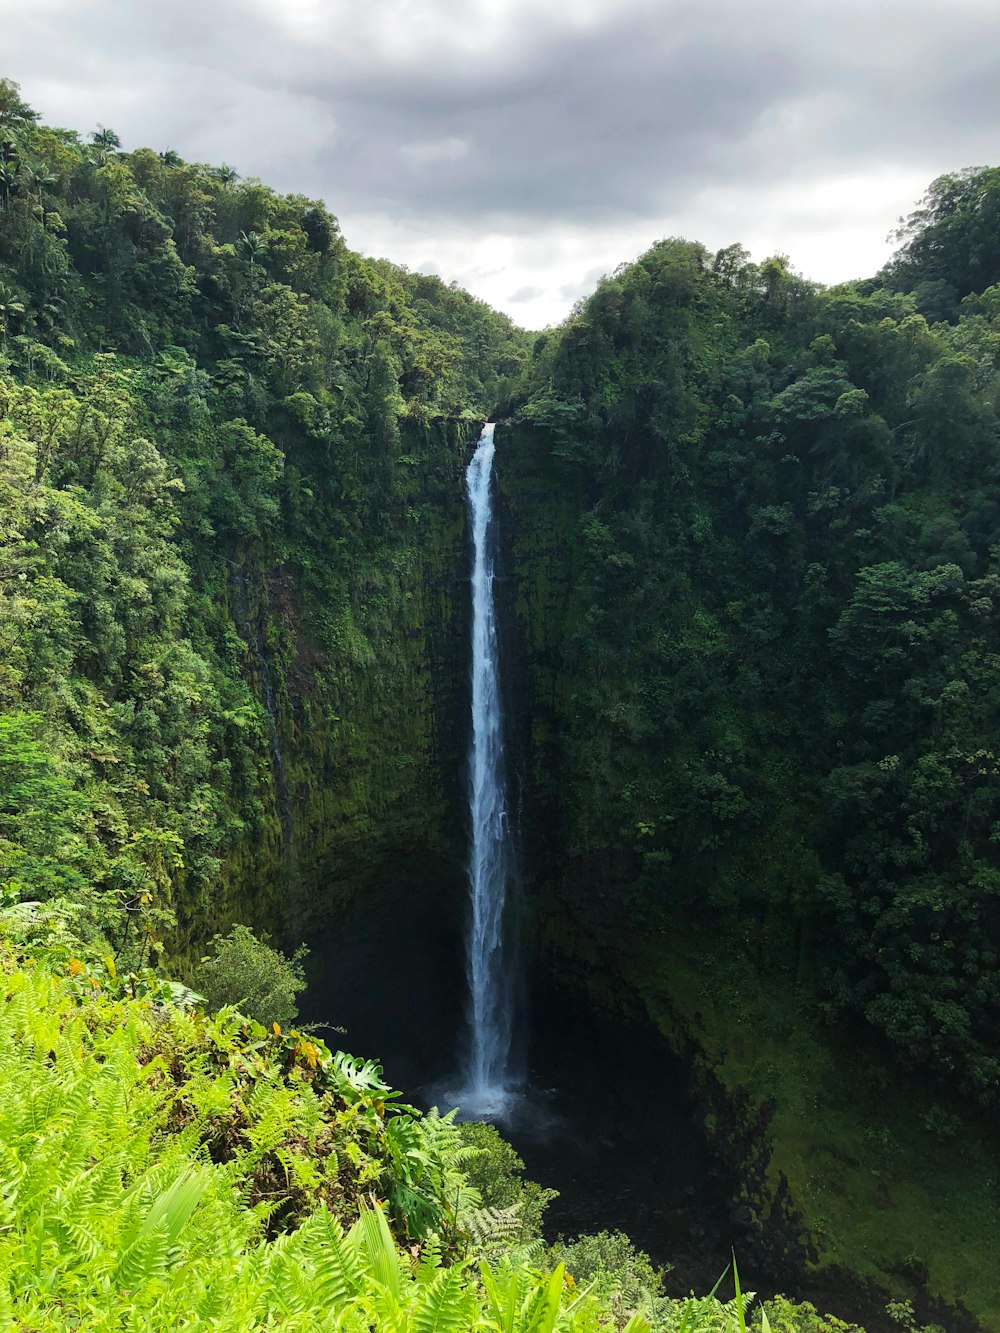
(756, 624)
(231, 529)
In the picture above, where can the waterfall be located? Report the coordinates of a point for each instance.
(487, 1073)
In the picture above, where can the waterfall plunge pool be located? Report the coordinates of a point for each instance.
(606, 1121)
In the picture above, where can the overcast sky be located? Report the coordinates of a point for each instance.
(525, 147)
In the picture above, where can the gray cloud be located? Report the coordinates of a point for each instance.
(531, 120)
(582, 286)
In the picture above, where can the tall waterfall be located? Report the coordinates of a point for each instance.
(487, 1072)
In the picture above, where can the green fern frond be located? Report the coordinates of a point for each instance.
(446, 1305)
(494, 1228)
(144, 1258)
(6, 1303)
(338, 1268)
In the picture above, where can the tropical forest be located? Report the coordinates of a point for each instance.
(499, 830)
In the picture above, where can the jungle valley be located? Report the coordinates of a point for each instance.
(748, 608)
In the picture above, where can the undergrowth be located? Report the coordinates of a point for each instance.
(162, 1168)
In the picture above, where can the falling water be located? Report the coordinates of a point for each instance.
(487, 1074)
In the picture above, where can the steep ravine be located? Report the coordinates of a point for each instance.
(838, 1190)
(646, 1119)
(631, 1129)
(370, 869)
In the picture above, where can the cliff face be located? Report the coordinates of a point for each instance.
(364, 678)
(576, 856)
(539, 512)
(231, 533)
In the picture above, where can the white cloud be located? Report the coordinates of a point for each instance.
(523, 147)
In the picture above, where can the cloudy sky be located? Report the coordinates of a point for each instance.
(525, 147)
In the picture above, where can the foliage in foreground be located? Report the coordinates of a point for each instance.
(164, 1169)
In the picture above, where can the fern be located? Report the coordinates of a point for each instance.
(144, 1257)
(6, 1299)
(446, 1305)
(79, 1236)
(335, 1259)
(114, 1216)
(494, 1229)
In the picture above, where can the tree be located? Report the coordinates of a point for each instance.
(105, 143)
(15, 114)
(952, 241)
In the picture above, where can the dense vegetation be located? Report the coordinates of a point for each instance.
(754, 542)
(777, 661)
(228, 451)
(161, 1168)
(753, 524)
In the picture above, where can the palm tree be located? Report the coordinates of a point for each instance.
(253, 243)
(225, 175)
(10, 307)
(36, 176)
(105, 142)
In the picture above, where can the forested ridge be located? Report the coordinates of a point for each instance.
(778, 686)
(752, 529)
(227, 440)
(753, 542)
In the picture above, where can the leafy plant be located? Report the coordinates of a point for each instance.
(248, 974)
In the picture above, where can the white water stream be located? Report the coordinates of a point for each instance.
(487, 1076)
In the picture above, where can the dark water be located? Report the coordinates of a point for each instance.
(606, 1121)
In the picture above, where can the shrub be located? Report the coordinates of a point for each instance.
(495, 1170)
(246, 972)
(623, 1276)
